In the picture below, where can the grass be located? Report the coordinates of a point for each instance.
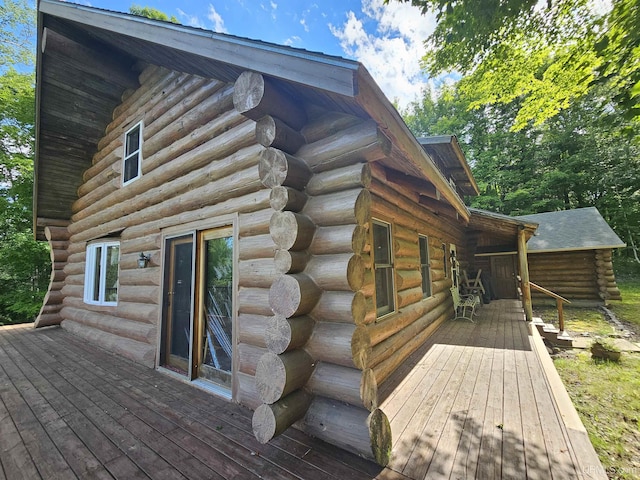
(604, 393)
(577, 319)
(606, 397)
(628, 309)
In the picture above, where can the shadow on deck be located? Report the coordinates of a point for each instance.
(473, 402)
(478, 401)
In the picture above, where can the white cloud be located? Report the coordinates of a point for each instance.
(218, 22)
(191, 20)
(292, 40)
(303, 22)
(393, 51)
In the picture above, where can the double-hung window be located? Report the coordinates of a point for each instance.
(383, 266)
(424, 266)
(131, 168)
(101, 273)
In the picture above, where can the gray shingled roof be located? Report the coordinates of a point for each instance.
(579, 229)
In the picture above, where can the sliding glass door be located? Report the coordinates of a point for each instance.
(198, 307)
(177, 302)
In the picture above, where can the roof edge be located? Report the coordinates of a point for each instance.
(460, 156)
(386, 117)
(302, 66)
(578, 249)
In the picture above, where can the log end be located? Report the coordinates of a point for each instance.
(361, 347)
(369, 390)
(272, 167)
(248, 92)
(263, 423)
(291, 231)
(355, 273)
(270, 378)
(381, 439)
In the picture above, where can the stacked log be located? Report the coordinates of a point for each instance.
(316, 353)
(606, 279)
(199, 161)
(572, 275)
(58, 238)
(395, 337)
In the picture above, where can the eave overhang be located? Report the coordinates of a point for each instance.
(334, 82)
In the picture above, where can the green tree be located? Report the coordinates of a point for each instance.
(24, 262)
(152, 13)
(580, 157)
(17, 30)
(545, 56)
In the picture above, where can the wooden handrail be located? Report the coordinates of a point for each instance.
(559, 301)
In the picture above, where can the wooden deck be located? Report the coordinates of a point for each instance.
(70, 410)
(478, 401)
(473, 403)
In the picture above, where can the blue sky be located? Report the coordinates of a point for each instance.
(387, 39)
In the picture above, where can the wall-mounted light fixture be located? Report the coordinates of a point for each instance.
(143, 260)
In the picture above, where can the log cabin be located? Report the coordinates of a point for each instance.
(571, 254)
(253, 219)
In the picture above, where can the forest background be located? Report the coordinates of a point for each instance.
(546, 110)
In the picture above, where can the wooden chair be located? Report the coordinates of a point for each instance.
(474, 286)
(463, 302)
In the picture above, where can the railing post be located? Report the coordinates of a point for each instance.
(524, 273)
(560, 316)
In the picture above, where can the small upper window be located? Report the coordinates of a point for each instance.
(425, 270)
(383, 266)
(131, 168)
(101, 273)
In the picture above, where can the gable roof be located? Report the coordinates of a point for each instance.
(578, 229)
(87, 59)
(447, 153)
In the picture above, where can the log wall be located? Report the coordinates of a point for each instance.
(577, 275)
(199, 161)
(314, 370)
(394, 337)
(304, 187)
(58, 238)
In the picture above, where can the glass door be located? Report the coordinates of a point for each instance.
(214, 342)
(175, 345)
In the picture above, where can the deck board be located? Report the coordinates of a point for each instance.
(127, 421)
(476, 404)
(472, 402)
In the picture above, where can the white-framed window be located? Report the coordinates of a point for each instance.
(425, 269)
(132, 158)
(101, 273)
(383, 268)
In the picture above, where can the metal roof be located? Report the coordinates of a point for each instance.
(579, 229)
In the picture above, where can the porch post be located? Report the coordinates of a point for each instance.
(524, 274)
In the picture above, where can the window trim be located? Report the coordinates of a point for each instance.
(389, 308)
(425, 293)
(90, 273)
(137, 152)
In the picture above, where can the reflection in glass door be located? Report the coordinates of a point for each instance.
(215, 307)
(177, 306)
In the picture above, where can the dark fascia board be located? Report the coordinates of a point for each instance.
(498, 217)
(577, 249)
(38, 235)
(452, 141)
(332, 74)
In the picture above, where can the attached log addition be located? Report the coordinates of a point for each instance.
(314, 370)
(58, 238)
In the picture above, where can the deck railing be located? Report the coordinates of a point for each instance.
(559, 302)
